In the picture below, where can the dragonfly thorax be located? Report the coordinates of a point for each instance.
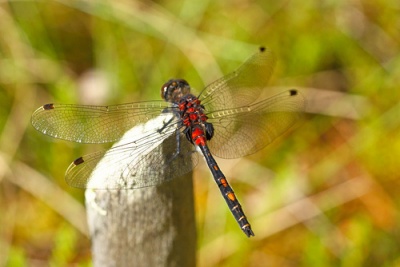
(174, 90)
(194, 119)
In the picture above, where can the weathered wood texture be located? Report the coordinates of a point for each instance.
(151, 226)
(145, 227)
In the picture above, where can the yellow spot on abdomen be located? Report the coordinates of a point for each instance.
(231, 196)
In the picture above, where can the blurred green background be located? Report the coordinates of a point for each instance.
(325, 194)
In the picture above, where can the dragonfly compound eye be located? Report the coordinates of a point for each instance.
(173, 90)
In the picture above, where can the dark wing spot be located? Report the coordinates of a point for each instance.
(48, 106)
(293, 92)
(78, 161)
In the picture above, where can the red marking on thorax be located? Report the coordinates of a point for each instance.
(193, 117)
(182, 106)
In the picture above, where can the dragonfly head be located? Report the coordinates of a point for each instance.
(173, 90)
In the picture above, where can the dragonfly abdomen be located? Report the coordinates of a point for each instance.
(227, 192)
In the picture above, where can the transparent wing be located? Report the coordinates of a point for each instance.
(241, 87)
(245, 130)
(93, 124)
(146, 161)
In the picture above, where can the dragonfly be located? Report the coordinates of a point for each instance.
(227, 120)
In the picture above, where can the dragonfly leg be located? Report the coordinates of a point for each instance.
(177, 151)
(165, 125)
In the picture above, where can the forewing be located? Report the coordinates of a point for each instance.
(146, 161)
(245, 130)
(93, 124)
(241, 87)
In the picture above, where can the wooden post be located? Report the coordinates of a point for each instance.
(151, 226)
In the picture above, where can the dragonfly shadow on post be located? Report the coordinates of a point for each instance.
(227, 120)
